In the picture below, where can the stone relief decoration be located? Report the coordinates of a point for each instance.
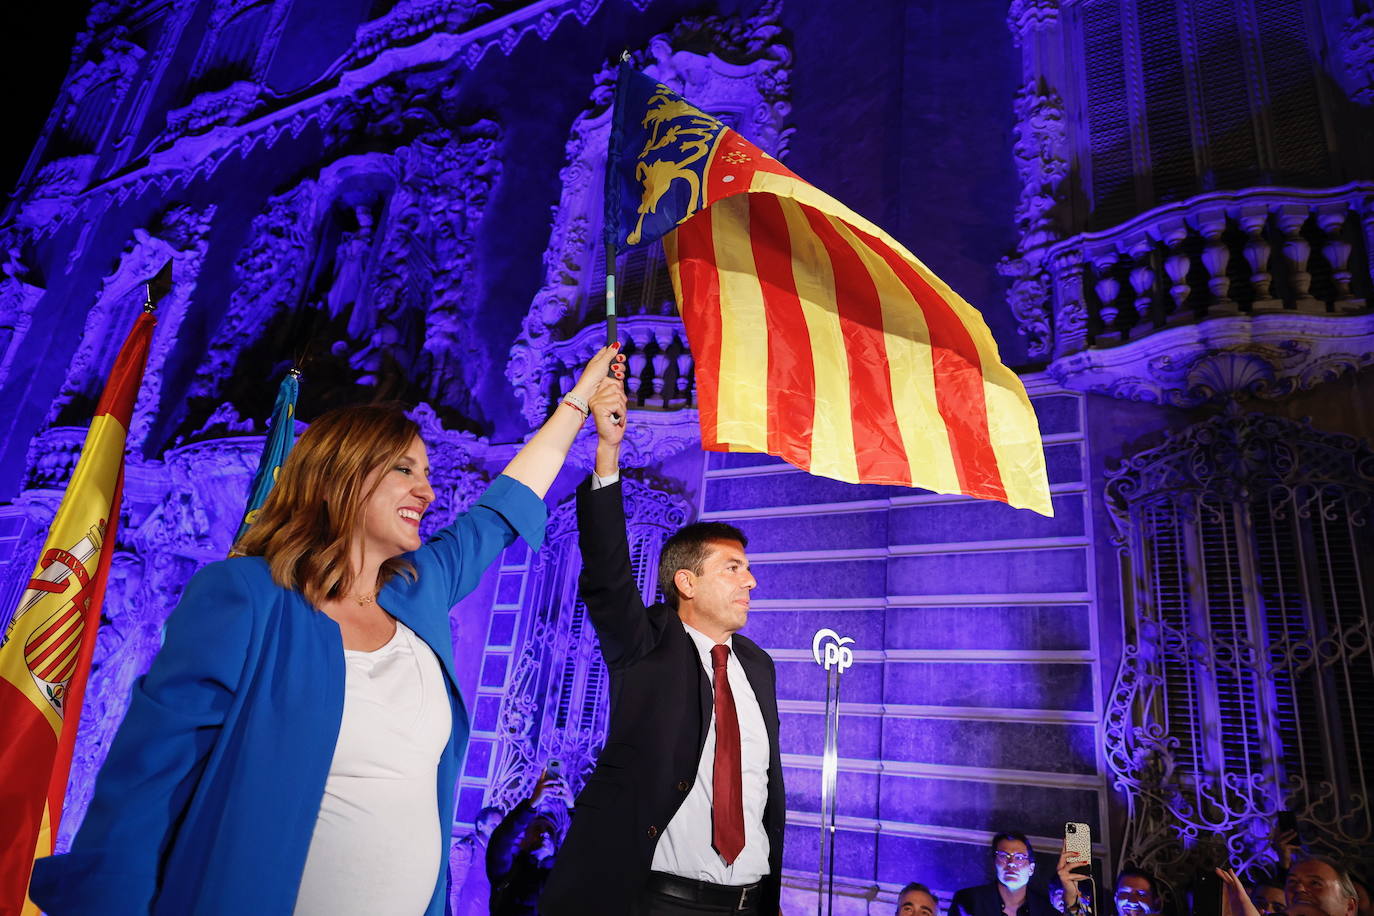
(225, 84)
(1265, 356)
(739, 69)
(1041, 151)
(180, 235)
(1027, 17)
(78, 126)
(1247, 543)
(20, 291)
(1357, 53)
(366, 277)
(556, 705)
(1259, 291)
(446, 26)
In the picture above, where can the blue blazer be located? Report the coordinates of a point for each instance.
(207, 801)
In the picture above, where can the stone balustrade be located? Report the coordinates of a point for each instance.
(1225, 253)
(659, 369)
(1258, 292)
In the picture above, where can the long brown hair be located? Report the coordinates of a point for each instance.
(305, 527)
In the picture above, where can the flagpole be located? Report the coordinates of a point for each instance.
(610, 223)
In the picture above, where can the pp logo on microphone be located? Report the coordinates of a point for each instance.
(837, 651)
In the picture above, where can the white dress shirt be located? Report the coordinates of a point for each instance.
(684, 848)
(377, 849)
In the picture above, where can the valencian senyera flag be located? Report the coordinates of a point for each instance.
(817, 337)
(49, 640)
(281, 436)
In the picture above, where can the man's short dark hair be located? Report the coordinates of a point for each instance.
(1016, 835)
(687, 549)
(918, 886)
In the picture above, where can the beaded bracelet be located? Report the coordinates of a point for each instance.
(577, 404)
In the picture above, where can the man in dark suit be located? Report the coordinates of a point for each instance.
(1013, 861)
(684, 811)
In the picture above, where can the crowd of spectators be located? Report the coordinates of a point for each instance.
(499, 870)
(1303, 884)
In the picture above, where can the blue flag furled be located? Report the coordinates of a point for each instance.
(281, 435)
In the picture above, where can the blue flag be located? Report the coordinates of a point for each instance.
(281, 435)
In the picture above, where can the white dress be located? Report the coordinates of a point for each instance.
(376, 846)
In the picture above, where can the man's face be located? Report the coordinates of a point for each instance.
(916, 903)
(1014, 864)
(716, 601)
(1134, 896)
(486, 824)
(1269, 900)
(1313, 889)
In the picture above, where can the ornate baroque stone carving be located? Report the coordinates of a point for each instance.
(180, 234)
(1269, 623)
(19, 296)
(1266, 356)
(1025, 17)
(271, 271)
(226, 107)
(559, 673)
(747, 77)
(400, 302)
(1357, 53)
(1042, 161)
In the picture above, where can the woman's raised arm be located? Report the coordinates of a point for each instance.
(538, 462)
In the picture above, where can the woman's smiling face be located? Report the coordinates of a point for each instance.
(400, 495)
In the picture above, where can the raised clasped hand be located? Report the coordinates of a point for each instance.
(606, 362)
(609, 406)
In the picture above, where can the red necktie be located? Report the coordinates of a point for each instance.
(727, 808)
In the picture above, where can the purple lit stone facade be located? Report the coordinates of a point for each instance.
(1173, 238)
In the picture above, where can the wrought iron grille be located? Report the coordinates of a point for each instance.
(1247, 675)
(556, 705)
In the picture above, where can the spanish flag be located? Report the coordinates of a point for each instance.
(46, 650)
(817, 337)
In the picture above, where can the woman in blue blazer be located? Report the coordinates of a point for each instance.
(294, 747)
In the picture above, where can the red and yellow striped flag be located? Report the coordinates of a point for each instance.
(818, 337)
(48, 642)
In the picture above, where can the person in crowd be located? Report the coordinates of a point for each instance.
(294, 747)
(469, 890)
(1137, 893)
(1013, 862)
(1318, 886)
(1268, 897)
(917, 900)
(1365, 905)
(1315, 886)
(685, 810)
(523, 847)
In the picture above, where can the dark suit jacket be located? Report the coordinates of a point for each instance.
(661, 707)
(984, 900)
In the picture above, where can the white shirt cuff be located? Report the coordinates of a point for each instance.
(599, 482)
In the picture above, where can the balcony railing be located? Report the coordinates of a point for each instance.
(1226, 253)
(1137, 301)
(659, 368)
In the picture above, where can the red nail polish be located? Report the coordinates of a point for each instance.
(616, 345)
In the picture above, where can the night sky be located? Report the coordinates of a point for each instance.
(45, 33)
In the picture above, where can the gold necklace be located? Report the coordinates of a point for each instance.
(364, 600)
